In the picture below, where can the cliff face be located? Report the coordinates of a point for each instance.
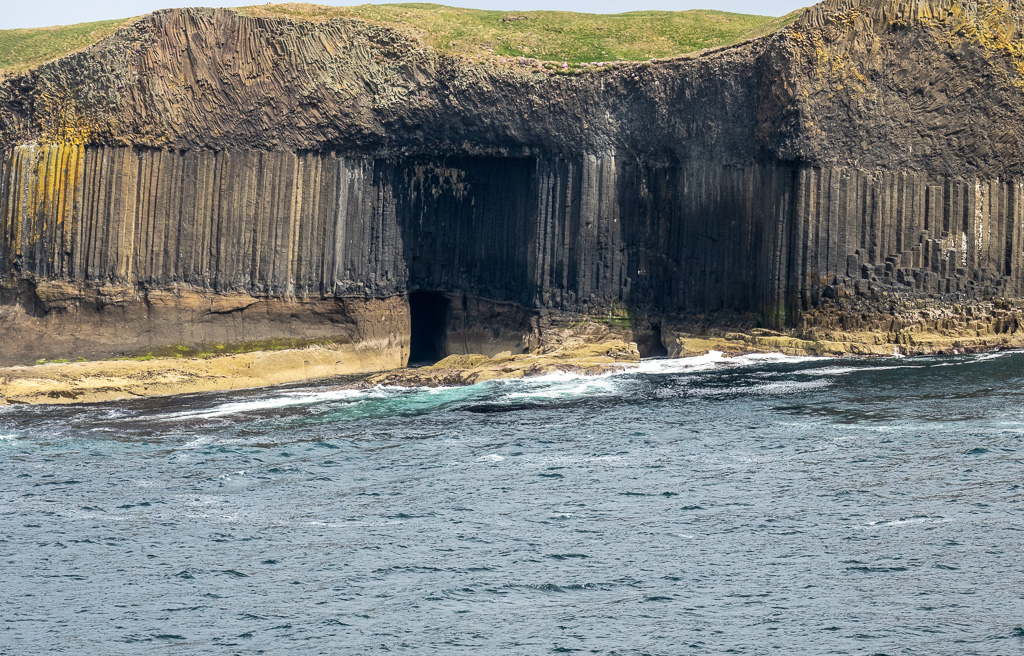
(203, 177)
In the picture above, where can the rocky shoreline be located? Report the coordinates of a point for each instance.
(852, 184)
(113, 380)
(588, 349)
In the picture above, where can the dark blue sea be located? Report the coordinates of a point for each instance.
(754, 505)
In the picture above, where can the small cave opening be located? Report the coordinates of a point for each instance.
(428, 313)
(652, 346)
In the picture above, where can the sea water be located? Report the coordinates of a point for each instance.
(759, 504)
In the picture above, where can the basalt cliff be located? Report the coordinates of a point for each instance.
(204, 179)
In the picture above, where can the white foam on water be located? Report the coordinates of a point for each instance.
(839, 371)
(978, 357)
(559, 385)
(274, 402)
(833, 371)
(599, 383)
(680, 365)
(717, 359)
(204, 441)
(557, 377)
(8, 436)
(756, 358)
(778, 388)
(403, 389)
(905, 522)
(572, 387)
(884, 428)
(706, 362)
(606, 459)
(982, 357)
(197, 442)
(492, 457)
(563, 385)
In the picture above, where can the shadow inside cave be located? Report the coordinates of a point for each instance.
(651, 345)
(428, 313)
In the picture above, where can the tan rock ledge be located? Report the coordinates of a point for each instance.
(470, 369)
(90, 382)
(109, 380)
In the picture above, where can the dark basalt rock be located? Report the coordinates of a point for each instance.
(866, 159)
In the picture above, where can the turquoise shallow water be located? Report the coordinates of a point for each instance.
(753, 505)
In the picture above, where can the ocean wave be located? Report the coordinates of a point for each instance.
(773, 388)
(270, 403)
(561, 386)
(840, 371)
(197, 442)
(573, 387)
(552, 387)
(991, 355)
(833, 371)
(716, 359)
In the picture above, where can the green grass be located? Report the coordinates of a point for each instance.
(546, 35)
(22, 49)
(549, 35)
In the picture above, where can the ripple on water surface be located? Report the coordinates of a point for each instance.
(752, 504)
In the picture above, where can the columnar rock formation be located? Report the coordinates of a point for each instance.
(204, 177)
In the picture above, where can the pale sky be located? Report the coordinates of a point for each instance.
(38, 13)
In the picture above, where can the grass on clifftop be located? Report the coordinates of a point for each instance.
(22, 49)
(546, 35)
(549, 35)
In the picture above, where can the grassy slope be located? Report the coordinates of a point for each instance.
(22, 49)
(547, 35)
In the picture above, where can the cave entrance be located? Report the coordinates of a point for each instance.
(653, 346)
(428, 313)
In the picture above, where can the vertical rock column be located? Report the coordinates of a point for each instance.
(274, 223)
(907, 232)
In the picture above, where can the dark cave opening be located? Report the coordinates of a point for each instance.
(652, 346)
(428, 313)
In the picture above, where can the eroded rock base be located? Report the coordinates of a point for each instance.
(580, 347)
(562, 344)
(109, 380)
(843, 330)
(71, 321)
(583, 347)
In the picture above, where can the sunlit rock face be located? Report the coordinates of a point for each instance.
(202, 177)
